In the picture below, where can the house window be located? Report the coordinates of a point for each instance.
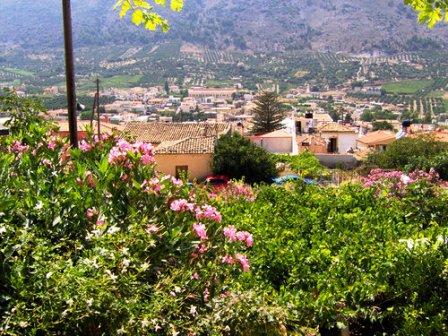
(181, 171)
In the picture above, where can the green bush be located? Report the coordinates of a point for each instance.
(305, 164)
(351, 256)
(237, 157)
(412, 154)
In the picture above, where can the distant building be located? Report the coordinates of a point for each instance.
(377, 140)
(180, 147)
(279, 141)
(201, 94)
(340, 138)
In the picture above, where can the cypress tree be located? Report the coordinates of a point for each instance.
(268, 113)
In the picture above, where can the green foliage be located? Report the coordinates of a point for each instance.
(237, 157)
(268, 113)
(305, 164)
(429, 12)
(351, 256)
(411, 154)
(382, 125)
(143, 12)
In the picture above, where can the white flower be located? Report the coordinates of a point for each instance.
(405, 179)
(112, 275)
(48, 275)
(69, 302)
(39, 205)
(144, 266)
(121, 331)
(126, 263)
(2, 229)
(193, 310)
(113, 229)
(145, 323)
(89, 302)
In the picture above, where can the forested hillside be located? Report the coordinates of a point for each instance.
(333, 25)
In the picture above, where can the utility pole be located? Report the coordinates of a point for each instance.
(70, 73)
(96, 107)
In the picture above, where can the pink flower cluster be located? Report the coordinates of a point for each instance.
(182, 205)
(18, 148)
(85, 147)
(209, 213)
(205, 212)
(200, 230)
(238, 190)
(240, 258)
(397, 179)
(152, 186)
(233, 235)
(119, 155)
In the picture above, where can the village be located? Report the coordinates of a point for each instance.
(332, 125)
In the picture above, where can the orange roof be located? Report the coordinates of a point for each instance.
(203, 145)
(377, 138)
(336, 128)
(157, 133)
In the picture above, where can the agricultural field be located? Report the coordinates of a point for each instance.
(407, 87)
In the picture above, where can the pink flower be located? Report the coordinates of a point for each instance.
(147, 159)
(124, 146)
(181, 205)
(200, 231)
(227, 259)
(208, 212)
(17, 147)
(244, 262)
(177, 182)
(152, 229)
(202, 249)
(47, 162)
(195, 276)
(230, 233)
(90, 179)
(244, 236)
(52, 145)
(91, 212)
(84, 146)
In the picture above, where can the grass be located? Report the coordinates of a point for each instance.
(407, 86)
(19, 72)
(219, 83)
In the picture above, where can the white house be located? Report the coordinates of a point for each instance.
(280, 142)
(340, 138)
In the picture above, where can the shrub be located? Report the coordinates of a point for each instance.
(410, 154)
(95, 242)
(305, 164)
(237, 157)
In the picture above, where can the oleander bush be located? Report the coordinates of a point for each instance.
(95, 242)
(306, 164)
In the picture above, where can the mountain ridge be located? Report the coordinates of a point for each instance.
(253, 25)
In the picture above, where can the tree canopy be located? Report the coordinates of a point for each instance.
(143, 14)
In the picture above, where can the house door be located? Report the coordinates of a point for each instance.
(333, 145)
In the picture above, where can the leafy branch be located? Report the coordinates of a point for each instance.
(143, 13)
(430, 12)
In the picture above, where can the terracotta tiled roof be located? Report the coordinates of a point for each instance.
(202, 145)
(377, 138)
(157, 133)
(311, 139)
(336, 128)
